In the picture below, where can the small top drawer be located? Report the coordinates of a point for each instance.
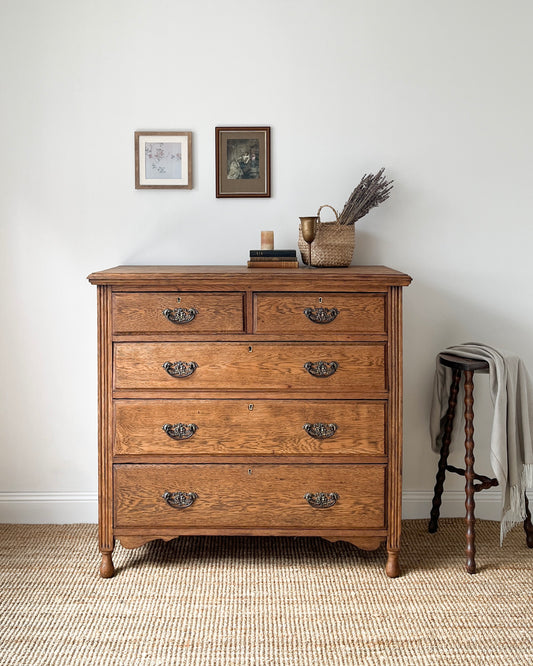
(178, 312)
(318, 315)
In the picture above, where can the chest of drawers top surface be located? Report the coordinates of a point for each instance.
(224, 277)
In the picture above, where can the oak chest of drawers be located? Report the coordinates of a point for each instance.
(239, 401)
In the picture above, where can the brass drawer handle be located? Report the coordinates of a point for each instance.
(321, 368)
(179, 500)
(321, 500)
(180, 315)
(321, 315)
(180, 430)
(320, 430)
(180, 368)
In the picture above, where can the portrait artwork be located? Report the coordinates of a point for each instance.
(243, 158)
(242, 161)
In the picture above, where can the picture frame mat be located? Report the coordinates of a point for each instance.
(182, 138)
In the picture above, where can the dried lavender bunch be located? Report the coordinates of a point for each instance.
(371, 191)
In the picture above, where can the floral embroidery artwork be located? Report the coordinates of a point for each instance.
(163, 160)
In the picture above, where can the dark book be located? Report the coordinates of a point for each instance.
(272, 253)
(266, 260)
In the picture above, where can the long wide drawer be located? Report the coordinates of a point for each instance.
(255, 496)
(180, 313)
(315, 315)
(241, 366)
(238, 427)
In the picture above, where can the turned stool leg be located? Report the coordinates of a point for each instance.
(528, 526)
(444, 452)
(469, 473)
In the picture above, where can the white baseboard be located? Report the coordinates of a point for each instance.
(48, 507)
(417, 504)
(76, 507)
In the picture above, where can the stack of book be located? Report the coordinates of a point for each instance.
(273, 259)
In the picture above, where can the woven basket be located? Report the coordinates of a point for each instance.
(333, 245)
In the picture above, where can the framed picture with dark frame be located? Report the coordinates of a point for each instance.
(242, 157)
(163, 160)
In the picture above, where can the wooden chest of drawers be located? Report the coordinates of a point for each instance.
(250, 402)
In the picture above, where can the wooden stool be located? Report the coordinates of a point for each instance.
(468, 366)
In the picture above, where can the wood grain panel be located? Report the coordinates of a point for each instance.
(238, 427)
(258, 366)
(138, 312)
(259, 496)
(283, 313)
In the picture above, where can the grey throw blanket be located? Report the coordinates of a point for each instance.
(511, 445)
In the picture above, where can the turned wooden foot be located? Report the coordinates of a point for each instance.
(528, 526)
(392, 568)
(107, 570)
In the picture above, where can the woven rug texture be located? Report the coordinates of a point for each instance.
(233, 601)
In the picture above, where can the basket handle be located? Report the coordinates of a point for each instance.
(333, 209)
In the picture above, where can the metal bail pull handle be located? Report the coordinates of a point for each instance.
(179, 499)
(321, 500)
(321, 315)
(320, 430)
(321, 368)
(180, 430)
(180, 315)
(180, 368)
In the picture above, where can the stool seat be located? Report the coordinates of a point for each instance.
(461, 363)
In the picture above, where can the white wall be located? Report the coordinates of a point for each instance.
(437, 92)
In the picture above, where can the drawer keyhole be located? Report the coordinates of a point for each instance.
(250, 348)
(249, 471)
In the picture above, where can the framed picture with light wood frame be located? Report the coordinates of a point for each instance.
(242, 156)
(163, 160)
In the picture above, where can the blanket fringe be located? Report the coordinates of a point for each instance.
(515, 514)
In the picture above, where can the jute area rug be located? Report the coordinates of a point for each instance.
(201, 601)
